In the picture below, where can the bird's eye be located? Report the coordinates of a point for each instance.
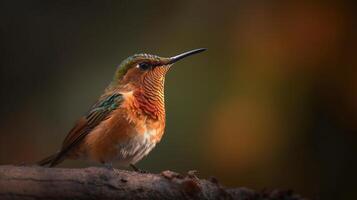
(144, 66)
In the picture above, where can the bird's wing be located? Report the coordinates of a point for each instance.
(99, 112)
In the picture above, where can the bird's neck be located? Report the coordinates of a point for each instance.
(150, 94)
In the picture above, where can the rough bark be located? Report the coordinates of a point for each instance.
(18, 182)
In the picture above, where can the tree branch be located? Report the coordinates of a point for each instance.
(99, 183)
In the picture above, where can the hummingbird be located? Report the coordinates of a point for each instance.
(127, 120)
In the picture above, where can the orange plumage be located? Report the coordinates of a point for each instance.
(128, 120)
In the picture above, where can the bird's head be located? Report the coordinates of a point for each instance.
(149, 69)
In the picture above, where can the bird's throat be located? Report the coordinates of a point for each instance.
(150, 96)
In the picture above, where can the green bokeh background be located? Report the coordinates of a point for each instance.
(271, 104)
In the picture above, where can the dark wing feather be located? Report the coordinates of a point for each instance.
(99, 112)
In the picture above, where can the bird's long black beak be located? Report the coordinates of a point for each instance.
(184, 55)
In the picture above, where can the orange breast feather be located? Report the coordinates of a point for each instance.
(119, 128)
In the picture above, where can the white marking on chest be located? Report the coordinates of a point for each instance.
(134, 149)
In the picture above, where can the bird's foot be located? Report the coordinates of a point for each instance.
(109, 166)
(137, 169)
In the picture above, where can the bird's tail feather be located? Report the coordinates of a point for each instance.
(51, 160)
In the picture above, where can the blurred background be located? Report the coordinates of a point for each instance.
(271, 104)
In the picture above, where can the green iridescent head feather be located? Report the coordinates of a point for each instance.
(150, 59)
(136, 59)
